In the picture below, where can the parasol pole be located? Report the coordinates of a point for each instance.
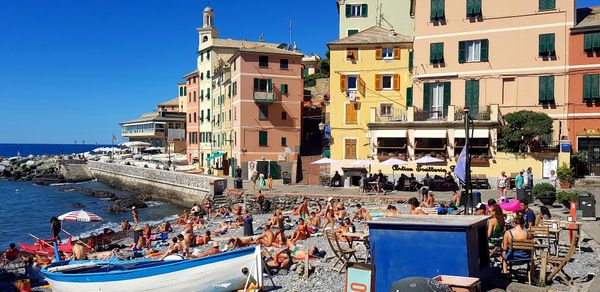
(71, 235)
(38, 239)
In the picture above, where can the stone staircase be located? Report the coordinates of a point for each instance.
(75, 172)
(220, 199)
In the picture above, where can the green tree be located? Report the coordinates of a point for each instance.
(522, 130)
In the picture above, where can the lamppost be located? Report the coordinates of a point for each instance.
(468, 190)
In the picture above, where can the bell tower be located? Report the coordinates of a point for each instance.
(208, 31)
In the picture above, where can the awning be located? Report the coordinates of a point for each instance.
(216, 155)
(390, 133)
(430, 134)
(477, 133)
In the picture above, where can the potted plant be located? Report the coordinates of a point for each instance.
(566, 198)
(565, 176)
(544, 192)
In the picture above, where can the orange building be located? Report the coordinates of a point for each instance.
(584, 83)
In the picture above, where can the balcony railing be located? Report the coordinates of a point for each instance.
(264, 97)
(421, 115)
(393, 116)
(484, 115)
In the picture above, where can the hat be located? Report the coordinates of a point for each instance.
(132, 207)
(329, 199)
(215, 244)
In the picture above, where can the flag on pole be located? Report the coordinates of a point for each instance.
(461, 165)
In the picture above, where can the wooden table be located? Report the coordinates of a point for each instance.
(361, 237)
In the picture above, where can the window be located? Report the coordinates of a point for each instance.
(386, 82)
(190, 97)
(591, 41)
(201, 76)
(352, 31)
(283, 63)
(283, 141)
(205, 39)
(201, 94)
(234, 65)
(437, 10)
(189, 118)
(387, 53)
(263, 61)
(284, 116)
(591, 83)
(263, 85)
(351, 113)
(474, 8)
(263, 112)
(547, 47)
(409, 96)
(201, 115)
(350, 148)
(201, 57)
(207, 54)
(207, 74)
(547, 4)
(284, 88)
(208, 115)
(436, 53)
(546, 89)
(194, 117)
(263, 138)
(229, 115)
(436, 99)
(352, 81)
(352, 54)
(410, 60)
(234, 88)
(385, 109)
(473, 51)
(356, 10)
(472, 96)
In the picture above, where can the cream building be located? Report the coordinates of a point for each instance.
(358, 15)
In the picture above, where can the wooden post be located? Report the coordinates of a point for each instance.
(544, 262)
(306, 267)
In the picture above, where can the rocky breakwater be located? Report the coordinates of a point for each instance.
(118, 204)
(40, 169)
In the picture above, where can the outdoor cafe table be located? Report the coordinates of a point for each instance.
(358, 236)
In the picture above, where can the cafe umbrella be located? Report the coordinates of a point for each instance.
(428, 159)
(391, 162)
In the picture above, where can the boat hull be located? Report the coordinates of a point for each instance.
(222, 272)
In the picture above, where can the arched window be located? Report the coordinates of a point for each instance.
(205, 39)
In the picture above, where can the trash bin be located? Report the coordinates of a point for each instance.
(476, 198)
(237, 183)
(586, 203)
(248, 230)
(286, 177)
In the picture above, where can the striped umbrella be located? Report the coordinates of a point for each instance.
(80, 216)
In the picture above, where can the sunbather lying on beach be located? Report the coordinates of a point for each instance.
(183, 218)
(279, 260)
(221, 230)
(301, 232)
(237, 242)
(266, 239)
(237, 209)
(212, 251)
(314, 223)
(222, 213)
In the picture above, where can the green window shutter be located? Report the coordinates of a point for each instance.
(263, 138)
(474, 97)
(269, 85)
(462, 52)
(550, 89)
(551, 4)
(410, 60)
(364, 12)
(550, 44)
(542, 46)
(432, 53)
(468, 92)
(441, 8)
(409, 96)
(477, 8)
(542, 4)
(469, 8)
(587, 87)
(427, 97)
(588, 40)
(595, 94)
(596, 41)
(440, 53)
(284, 88)
(433, 11)
(485, 45)
(447, 97)
(542, 89)
(348, 10)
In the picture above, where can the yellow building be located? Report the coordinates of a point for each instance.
(370, 83)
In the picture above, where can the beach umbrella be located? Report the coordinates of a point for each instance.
(364, 162)
(391, 162)
(428, 159)
(79, 216)
(324, 160)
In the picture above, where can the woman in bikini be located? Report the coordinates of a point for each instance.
(301, 232)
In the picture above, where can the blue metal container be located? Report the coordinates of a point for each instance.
(427, 246)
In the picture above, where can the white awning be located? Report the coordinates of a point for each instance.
(430, 134)
(390, 133)
(477, 133)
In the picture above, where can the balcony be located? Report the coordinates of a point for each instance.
(476, 115)
(393, 115)
(264, 97)
(433, 115)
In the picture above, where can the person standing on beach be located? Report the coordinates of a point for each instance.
(254, 178)
(261, 181)
(135, 215)
(208, 203)
(260, 199)
(503, 183)
(56, 228)
(270, 184)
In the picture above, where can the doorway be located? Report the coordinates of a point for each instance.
(590, 149)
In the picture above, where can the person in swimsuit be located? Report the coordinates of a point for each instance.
(174, 248)
(415, 208)
(495, 226)
(277, 261)
(516, 233)
(315, 222)
(303, 209)
(204, 239)
(329, 213)
(212, 251)
(301, 232)
(391, 211)
(208, 203)
(260, 200)
(266, 239)
(361, 213)
(236, 242)
(136, 218)
(280, 241)
(79, 253)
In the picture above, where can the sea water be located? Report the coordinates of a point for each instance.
(26, 208)
(14, 149)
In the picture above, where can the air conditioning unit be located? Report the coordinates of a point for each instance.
(351, 94)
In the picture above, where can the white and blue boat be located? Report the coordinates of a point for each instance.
(228, 271)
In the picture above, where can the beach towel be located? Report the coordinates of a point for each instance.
(512, 206)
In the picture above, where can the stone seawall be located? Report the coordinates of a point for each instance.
(175, 187)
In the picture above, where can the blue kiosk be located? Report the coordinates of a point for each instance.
(427, 246)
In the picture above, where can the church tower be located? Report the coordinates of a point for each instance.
(208, 31)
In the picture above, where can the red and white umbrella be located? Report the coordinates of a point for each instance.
(80, 216)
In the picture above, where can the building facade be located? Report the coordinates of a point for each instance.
(584, 96)
(266, 104)
(192, 117)
(182, 95)
(171, 105)
(494, 57)
(358, 15)
(370, 84)
(159, 129)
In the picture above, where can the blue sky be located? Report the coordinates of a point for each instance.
(72, 69)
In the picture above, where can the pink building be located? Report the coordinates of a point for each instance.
(192, 118)
(267, 95)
